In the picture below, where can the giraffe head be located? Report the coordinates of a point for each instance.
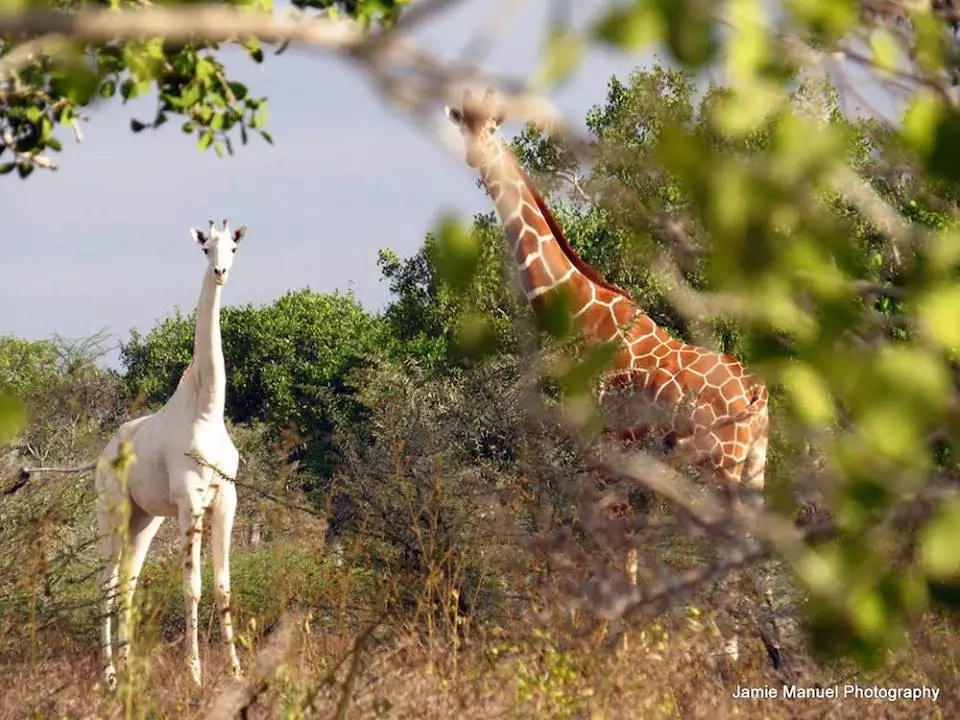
(219, 246)
(478, 121)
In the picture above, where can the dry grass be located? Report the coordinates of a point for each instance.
(537, 668)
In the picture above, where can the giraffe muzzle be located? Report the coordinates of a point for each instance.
(474, 157)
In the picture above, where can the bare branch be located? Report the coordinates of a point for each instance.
(26, 473)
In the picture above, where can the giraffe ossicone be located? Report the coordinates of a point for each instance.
(703, 402)
(165, 478)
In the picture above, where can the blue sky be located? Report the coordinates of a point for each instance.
(103, 243)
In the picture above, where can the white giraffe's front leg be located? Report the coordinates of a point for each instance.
(191, 525)
(108, 576)
(143, 528)
(221, 527)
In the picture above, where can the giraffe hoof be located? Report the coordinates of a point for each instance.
(195, 676)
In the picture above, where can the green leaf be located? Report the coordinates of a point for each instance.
(808, 393)
(630, 29)
(582, 375)
(690, 30)
(25, 169)
(830, 20)
(563, 52)
(473, 336)
(938, 311)
(238, 89)
(136, 125)
(931, 41)
(458, 254)
(13, 416)
(940, 543)
(206, 137)
(557, 316)
(934, 132)
(886, 50)
(128, 89)
(7, 167)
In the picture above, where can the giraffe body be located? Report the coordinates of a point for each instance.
(163, 480)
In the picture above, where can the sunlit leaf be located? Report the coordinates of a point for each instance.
(940, 543)
(12, 416)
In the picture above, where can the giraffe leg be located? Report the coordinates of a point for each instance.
(143, 528)
(109, 524)
(191, 528)
(108, 577)
(221, 526)
(753, 483)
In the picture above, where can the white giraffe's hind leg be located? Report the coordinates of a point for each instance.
(221, 527)
(191, 528)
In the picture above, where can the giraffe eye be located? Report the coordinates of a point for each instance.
(206, 251)
(234, 250)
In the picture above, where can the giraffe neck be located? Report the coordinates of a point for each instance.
(207, 363)
(544, 260)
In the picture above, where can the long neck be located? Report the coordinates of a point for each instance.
(208, 350)
(545, 262)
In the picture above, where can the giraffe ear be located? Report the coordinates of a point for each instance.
(239, 234)
(454, 114)
(199, 236)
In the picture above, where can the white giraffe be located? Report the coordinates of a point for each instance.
(165, 480)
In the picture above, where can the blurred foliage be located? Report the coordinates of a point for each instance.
(46, 100)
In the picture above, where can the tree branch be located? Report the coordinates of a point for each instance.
(26, 473)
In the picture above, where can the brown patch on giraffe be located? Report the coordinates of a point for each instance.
(661, 351)
(522, 248)
(513, 228)
(538, 278)
(642, 346)
(625, 312)
(603, 326)
(533, 219)
(731, 389)
(732, 364)
(717, 376)
(688, 356)
(743, 434)
(671, 362)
